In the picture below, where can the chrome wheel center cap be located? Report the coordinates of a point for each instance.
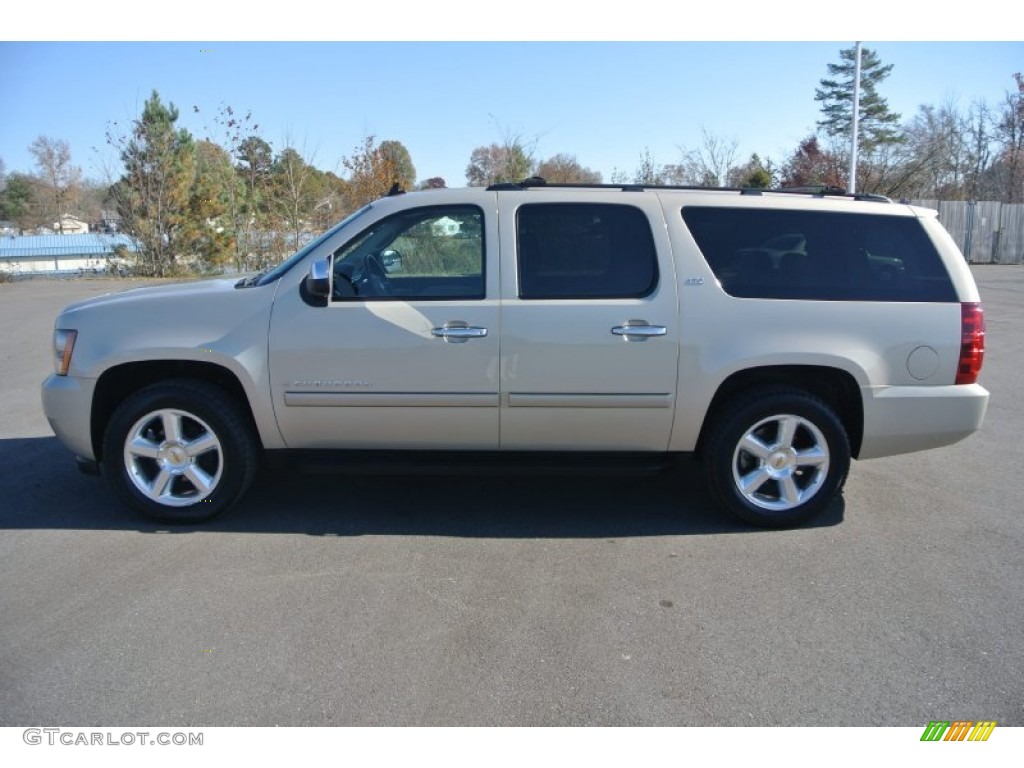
(780, 461)
(174, 456)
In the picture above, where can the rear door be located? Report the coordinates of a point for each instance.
(589, 321)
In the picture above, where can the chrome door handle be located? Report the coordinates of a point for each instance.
(636, 330)
(458, 334)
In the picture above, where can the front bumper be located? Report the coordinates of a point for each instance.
(67, 403)
(907, 419)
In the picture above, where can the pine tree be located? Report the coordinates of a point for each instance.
(153, 194)
(877, 124)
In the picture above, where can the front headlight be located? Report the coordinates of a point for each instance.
(63, 346)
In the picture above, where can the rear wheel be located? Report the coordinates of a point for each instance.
(180, 451)
(777, 459)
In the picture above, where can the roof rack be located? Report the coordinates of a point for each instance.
(815, 190)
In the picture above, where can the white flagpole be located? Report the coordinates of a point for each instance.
(856, 114)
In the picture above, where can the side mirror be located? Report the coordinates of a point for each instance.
(391, 260)
(318, 281)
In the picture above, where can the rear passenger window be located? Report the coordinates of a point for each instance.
(774, 254)
(585, 251)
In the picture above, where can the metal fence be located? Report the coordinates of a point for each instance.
(987, 232)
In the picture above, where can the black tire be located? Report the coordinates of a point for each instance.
(791, 449)
(180, 451)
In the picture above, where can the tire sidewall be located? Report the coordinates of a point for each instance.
(210, 405)
(737, 421)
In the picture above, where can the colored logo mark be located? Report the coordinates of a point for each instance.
(958, 730)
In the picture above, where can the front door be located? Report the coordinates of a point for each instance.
(405, 354)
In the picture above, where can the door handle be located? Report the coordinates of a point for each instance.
(458, 334)
(638, 330)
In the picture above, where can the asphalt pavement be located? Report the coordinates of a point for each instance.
(523, 600)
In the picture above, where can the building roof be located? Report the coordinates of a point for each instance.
(63, 246)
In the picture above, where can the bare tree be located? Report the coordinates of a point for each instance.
(511, 160)
(295, 193)
(1009, 134)
(62, 179)
(979, 140)
(710, 165)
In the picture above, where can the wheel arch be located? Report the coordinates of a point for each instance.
(834, 386)
(118, 382)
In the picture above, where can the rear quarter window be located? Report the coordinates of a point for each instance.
(819, 255)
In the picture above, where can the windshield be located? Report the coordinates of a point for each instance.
(291, 261)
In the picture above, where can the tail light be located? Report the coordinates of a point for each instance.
(972, 342)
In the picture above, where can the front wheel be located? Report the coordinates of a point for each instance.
(778, 459)
(181, 451)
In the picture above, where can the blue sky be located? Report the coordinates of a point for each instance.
(604, 102)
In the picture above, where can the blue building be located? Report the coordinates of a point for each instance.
(63, 254)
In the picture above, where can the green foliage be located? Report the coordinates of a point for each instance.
(16, 200)
(153, 194)
(295, 192)
(877, 124)
(248, 199)
(396, 156)
(755, 174)
(565, 169)
(498, 163)
(208, 231)
(426, 254)
(373, 169)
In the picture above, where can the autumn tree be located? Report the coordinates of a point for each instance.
(434, 182)
(565, 169)
(247, 198)
(509, 161)
(811, 165)
(208, 231)
(61, 179)
(877, 124)
(397, 158)
(373, 169)
(152, 195)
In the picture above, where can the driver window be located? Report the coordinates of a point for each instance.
(423, 253)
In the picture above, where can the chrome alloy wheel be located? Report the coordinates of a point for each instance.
(173, 457)
(780, 463)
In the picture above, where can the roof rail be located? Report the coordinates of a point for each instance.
(816, 190)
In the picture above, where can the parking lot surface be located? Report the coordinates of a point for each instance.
(523, 600)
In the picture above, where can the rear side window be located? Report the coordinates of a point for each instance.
(817, 255)
(585, 251)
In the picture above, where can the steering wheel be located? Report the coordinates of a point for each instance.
(360, 278)
(373, 278)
